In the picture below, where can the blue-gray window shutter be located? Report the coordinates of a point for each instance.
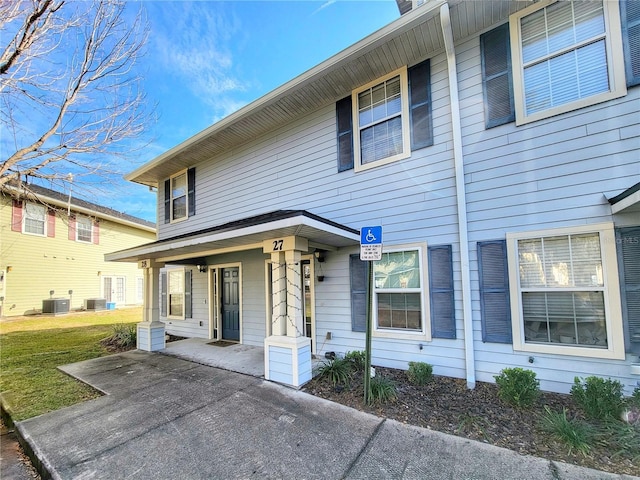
(497, 83)
(163, 294)
(628, 242)
(420, 105)
(345, 134)
(191, 191)
(188, 286)
(495, 307)
(167, 201)
(630, 13)
(359, 275)
(443, 319)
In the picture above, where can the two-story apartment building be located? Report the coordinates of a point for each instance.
(497, 144)
(52, 249)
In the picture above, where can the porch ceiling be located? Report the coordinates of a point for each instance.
(413, 37)
(244, 234)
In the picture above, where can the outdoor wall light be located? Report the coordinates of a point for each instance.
(319, 254)
(202, 268)
(51, 292)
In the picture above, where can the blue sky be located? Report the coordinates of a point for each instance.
(205, 59)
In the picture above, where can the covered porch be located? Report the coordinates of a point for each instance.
(282, 242)
(246, 359)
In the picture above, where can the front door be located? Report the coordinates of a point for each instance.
(230, 303)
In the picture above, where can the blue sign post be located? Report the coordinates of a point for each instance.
(370, 250)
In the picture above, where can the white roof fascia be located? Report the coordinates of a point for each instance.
(404, 21)
(630, 201)
(300, 220)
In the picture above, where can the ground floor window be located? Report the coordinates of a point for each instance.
(398, 283)
(564, 290)
(175, 293)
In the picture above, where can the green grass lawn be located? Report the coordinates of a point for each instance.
(32, 349)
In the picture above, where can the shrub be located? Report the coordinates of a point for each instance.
(337, 371)
(381, 390)
(634, 399)
(599, 398)
(420, 373)
(356, 358)
(124, 335)
(574, 433)
(518, 387)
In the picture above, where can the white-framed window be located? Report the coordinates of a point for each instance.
(175, 293)
(35, 219)
(566, 55)
(381, 121)
(565, 295)
(179, 194)
(84, 229)
(400, 303)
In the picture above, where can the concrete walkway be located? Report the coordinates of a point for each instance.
(169, 418)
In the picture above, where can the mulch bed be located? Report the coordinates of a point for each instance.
(447, 405)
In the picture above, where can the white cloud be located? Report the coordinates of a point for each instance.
(194, 42)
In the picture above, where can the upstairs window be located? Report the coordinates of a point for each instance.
(566, 55)
(84, 229)
(385, 120)
(180, 196)
(382, 121)
(35, 219)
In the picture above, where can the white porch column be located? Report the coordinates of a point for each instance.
(295, 324)
(279, 293)
(150, 332)
(287, 352)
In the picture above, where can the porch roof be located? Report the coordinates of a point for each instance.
(245, 234)
(627, 201)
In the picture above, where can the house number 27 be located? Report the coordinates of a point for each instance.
(277, 245)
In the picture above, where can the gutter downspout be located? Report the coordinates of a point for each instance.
(458, 160)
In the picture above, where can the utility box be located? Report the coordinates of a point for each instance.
(55, 305)
(95, 304)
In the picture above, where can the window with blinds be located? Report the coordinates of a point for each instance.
(565, 295)
(567, 55)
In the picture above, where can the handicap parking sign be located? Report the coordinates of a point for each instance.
(371, 243)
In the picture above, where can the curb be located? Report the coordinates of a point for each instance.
(6, 413)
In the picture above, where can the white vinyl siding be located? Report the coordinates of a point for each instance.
(565, 293)
(566, 56)
(35, 219)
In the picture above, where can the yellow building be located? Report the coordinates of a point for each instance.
(52, 253)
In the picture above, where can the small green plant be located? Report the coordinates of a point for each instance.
(634, 399)
(420, 373)
(470, 423)
(357, 359)
(599, 398)
(620, 439)
(574, 433)
(123, 335)
(381, 390)
(336, 370)
(518, 387)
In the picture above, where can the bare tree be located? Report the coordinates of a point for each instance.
(70, 96)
